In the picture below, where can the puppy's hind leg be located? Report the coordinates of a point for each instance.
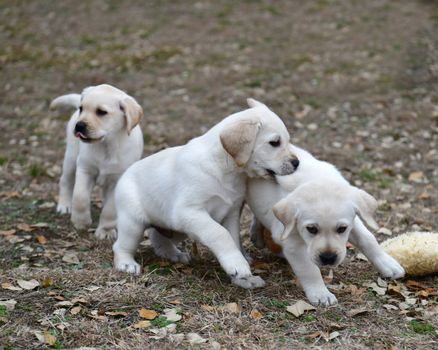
(166, 248)
(363, 239)
(129, 234)
(256, 233)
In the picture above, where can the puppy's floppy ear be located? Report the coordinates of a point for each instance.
(286, 211)
(254, 103)
(365, 206)
(238, 139)
(133, 112)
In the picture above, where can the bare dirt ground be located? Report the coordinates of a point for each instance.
(355, 82)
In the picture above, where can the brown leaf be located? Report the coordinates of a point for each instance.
(10, 194)
(142, 324)
(394, 289)
(79, 301)
(24, 227)
(49, 339)
(71, 258)
(10, 286)
(175, 302)
(8, 232)
(256, 314)
(423, 196)
(206, 307)
(299, 308)
(116, 313)
(355, 312)
(39, 225)
(416, 176)
(41, 239)
(75, 310)
(232, 307)
(415, 285)
(329, 278)
(147, 314)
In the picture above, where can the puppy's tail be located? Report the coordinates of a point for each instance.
(254, 103)
(70, 100)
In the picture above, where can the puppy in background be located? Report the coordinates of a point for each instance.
(311, 215)
(103, 140)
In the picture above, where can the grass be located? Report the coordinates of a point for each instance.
(421, 327)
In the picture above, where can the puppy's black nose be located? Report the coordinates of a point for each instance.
(81, 127)
(328, 258)
(295, 162)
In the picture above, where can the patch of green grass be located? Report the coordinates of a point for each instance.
(368, 175)
(309, 318)
(3, 311)
(160, 322)
(165, 52)
(421, 327)
(88, 40)
(3, 160)
(275, 303)
(37, 170)
(8, 346)
(299, 60)
(158, 307)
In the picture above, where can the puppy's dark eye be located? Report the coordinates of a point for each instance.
(80, 109)
(101, 112)
(312, 229)
(275, 143)
(341, 229)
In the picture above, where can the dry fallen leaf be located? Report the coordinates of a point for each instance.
(41, 239)
(329, 278)
(299, 308)
(376, 288)
(39, 225)
(172, 315)
(116, 313)
(24, 227)
(79, 301)
(75, 310)
(195, 338)
(206, 307)
(147, 314)
(65, 303)
(232, 307)
(355, 312)
(256, 314)
(49, 339)
(416, 176)
(142, 324)
(8, 232)
(10, 286)
(10, 194)
(175, 302)
(71, 258)
(415, 285)
(29, 285)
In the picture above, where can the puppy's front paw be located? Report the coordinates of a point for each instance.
(63, 208)
(105, 233)
(321, 297)
(389, 267)
(128, 265)
(80, 222)
(249, 282)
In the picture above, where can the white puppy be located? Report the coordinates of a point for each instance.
(311, 215)
(103, 140)
(198, 189)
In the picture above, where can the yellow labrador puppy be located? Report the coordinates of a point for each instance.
(198, 189)
(311, 215)
(103, 140)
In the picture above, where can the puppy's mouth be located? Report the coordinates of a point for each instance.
(86, 139)
(271, 173)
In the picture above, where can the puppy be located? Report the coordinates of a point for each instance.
(198, 190)
(312, 214)
(103, 139)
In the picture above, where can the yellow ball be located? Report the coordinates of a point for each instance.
(417, 252)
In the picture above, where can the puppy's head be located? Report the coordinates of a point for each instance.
(258, 141)
(323, 215)
(104, 111)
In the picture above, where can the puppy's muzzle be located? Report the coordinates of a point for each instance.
(80, 129)
(290, 166)
(328, 258)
